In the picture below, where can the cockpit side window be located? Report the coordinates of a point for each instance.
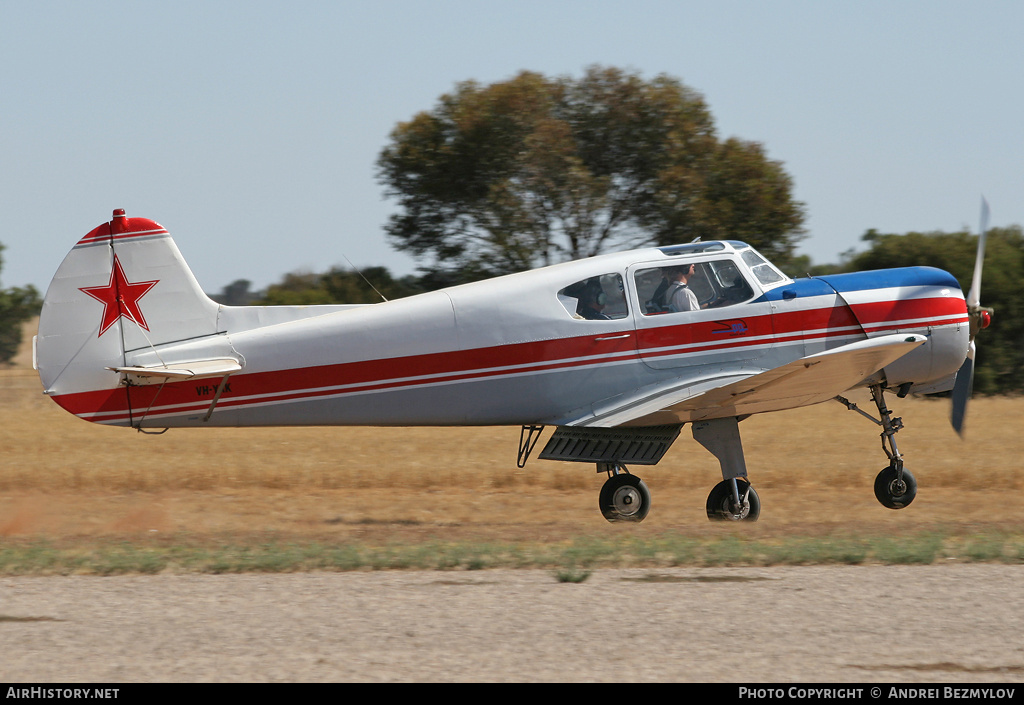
(599, 298)
(713, 283)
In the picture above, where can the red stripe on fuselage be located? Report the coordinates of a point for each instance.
(873, 316)
(890, 314)
(368, 375)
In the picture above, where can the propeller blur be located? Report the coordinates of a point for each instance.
(979, 318)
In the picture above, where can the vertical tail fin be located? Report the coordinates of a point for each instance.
(123, 287)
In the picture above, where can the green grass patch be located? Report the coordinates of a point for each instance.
(574, 559)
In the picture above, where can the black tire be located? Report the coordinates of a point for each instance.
(893, 494)
(721, 505)
(625, 498)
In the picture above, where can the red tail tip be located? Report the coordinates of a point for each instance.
(119, 224)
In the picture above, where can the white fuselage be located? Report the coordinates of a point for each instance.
(511, 351)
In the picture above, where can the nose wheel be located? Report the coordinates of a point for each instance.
(895, 488)
(624, 497)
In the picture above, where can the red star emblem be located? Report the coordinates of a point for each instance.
(120, 297)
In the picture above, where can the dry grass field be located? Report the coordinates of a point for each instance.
(72, 482)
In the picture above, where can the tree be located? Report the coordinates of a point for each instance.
(236, 293)
(339, 286)
(1000, 356)
(17, 305)
(532, 170)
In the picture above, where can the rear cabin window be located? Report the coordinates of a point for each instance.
(714, 283)
(599, 298)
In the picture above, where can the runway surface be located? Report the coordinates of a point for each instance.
(903, 624)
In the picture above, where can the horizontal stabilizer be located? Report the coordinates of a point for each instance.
(200, 369)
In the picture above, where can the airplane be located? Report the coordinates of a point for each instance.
(589, 347)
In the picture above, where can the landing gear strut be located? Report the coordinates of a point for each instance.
(732, 499)
(895, 486)
(624, 497)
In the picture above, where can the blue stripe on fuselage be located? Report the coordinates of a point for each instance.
(862, 281)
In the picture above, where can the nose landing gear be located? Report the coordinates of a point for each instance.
(895, 487)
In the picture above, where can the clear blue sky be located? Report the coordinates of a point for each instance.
(250, 129)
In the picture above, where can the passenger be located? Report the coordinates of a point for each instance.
(592, 302)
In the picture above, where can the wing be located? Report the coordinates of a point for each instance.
(809, 380)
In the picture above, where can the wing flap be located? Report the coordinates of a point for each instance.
(809, 380)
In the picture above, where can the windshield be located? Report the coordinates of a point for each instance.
(763, 270)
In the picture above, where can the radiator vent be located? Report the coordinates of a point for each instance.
(644, 445)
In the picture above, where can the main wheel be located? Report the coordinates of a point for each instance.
(893, 492)
(625, 498)
(722, 504)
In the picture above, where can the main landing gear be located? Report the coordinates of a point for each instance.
(733, 500)
(624, 497)
(895, 486)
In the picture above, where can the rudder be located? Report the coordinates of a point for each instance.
(124, 287)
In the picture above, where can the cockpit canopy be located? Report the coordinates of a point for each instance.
(717, 274)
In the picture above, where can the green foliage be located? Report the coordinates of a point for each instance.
(533, 170)
(17, 305)
(340, 286)
(567, 564)
(571, 574)
(1000, 357)
(236, 293)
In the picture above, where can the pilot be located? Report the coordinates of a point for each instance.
(679, 296)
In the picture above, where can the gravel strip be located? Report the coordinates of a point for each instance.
(952, 623)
